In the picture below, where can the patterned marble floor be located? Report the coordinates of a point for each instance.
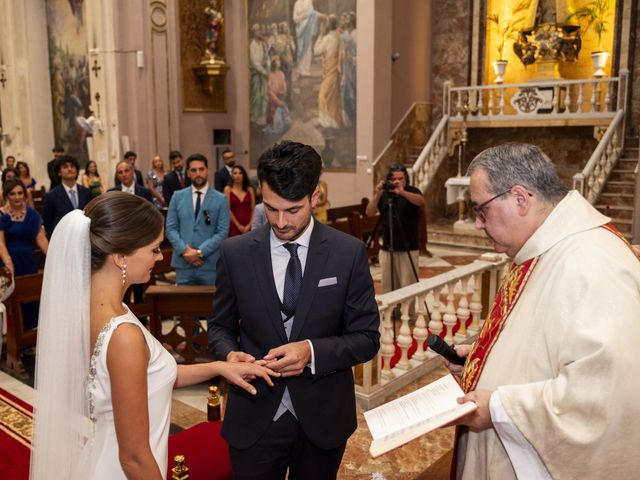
(411, 461)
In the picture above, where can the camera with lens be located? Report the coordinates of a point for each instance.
(388, 186)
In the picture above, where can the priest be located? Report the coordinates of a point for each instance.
(555, 370)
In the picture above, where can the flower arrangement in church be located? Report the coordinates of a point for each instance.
(596, 14)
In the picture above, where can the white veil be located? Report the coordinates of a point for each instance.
(61, 424)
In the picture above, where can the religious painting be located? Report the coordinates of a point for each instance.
(302, 77)
(69, 72)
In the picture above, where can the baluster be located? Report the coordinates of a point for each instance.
(501, 101)
(580, 97)
(490, 110)
(594, 96)
(420, 328)
(566, 104)
(480, 102)
(404, 336)
(386, 343)
(449, 318)
(459, 104)
(463, 311)
(556, 100)
(435, 324)
(476, 305)
(607, 107)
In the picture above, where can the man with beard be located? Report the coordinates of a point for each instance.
(224, 174)
(298, 297)
(176, 179)
(197, 222)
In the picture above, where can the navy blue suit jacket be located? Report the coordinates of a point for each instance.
(56, 204)
(336, 311)
(140, 192)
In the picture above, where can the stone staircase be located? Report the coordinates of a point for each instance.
(617, 197)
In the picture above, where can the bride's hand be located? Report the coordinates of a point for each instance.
(242, 373)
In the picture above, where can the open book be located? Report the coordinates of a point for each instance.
(408, 417)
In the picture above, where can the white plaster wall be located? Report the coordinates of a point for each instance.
(25, 100)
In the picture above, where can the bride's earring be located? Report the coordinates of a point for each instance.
(123, 269)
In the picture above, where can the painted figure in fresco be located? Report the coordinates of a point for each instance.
(348, 55)
(329, 102)
(278, 119)
(306, 19)
(259, 71)
(285, 48)
(215, 21)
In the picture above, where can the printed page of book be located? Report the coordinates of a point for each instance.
(403, 419)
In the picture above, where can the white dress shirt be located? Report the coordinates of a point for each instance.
(130, 189)
(279, 260)
(194, 196)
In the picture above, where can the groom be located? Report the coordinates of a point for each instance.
(298, 296)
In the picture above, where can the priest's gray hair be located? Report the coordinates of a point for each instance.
(523, 164)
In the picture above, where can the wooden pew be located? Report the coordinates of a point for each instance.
(186, 305)
(38, 198)
(27, 289)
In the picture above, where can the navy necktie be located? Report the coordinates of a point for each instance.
(292, 281)
(198, 204)
(74, 198)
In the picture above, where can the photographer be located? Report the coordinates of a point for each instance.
(399, 206)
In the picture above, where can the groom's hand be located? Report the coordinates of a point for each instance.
(289, 359)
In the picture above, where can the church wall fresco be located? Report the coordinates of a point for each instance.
(302, 77)
(69, 71)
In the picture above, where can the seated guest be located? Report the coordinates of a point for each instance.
(131, 157)
(10, 174)
(65, 197)
(20, 226)
(91, 179)
(25, 175)
(155, 180)
(124, 174)
(176, 179)
(10, 162)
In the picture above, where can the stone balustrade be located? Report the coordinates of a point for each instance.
(452, 305)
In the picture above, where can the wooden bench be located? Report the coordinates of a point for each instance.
(341, 213)
(185, 305)
(362, 227)
(38, 198)
(27, 289)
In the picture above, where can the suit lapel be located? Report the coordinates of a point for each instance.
(261, 256)
(316, 259)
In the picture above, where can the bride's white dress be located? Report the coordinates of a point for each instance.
(161, 375)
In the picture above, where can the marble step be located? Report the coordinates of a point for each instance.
(624, 174)
(618, 186)
(619, 212)
(616, 199)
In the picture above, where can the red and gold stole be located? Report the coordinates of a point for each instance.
(506, 298)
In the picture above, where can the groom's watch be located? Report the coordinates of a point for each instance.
(199, 252)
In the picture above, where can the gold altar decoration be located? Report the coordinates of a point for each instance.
(549, 41)
(202, 55)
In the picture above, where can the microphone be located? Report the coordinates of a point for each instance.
(439, 346)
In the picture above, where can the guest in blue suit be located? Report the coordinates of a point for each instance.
(66, 196)
(124, 173)
(197, 222)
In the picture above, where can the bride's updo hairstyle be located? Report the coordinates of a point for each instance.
(121, 223)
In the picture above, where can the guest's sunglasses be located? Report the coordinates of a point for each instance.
(207, 217)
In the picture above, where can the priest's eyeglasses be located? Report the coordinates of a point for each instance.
(481, 210)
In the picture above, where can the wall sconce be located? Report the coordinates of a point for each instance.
(3, 77)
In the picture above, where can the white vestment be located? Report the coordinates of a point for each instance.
(565, 363)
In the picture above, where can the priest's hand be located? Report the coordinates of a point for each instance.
(479, 419)
(289, 359)
(462, 351)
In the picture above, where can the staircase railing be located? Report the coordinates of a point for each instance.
(410, 133)
(591, 180)
(457, 302)
(432, 155)
(635, 226)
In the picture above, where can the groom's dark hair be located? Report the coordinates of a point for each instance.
(291, 169)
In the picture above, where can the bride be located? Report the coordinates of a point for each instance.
(103, 382)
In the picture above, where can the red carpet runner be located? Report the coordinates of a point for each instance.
(16, 419)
